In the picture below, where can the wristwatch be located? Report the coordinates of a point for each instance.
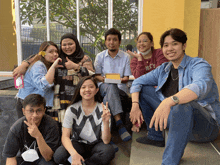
(175, 99)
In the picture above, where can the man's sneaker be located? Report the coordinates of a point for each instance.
(145, 140)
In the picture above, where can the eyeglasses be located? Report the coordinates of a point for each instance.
(31, 112)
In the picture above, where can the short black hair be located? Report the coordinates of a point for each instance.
(34, 100)
(113, 31)
(176, 34)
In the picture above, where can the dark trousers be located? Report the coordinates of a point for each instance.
(40, 161)
(96, 154)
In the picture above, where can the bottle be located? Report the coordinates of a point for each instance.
(19, 82)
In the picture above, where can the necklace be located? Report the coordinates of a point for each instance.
(174, 79)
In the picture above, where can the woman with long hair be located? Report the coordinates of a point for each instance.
(86, 128)
(39, 78)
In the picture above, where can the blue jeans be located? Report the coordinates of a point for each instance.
(149, 103)
(186, 122)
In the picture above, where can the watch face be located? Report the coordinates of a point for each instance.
(175, 98)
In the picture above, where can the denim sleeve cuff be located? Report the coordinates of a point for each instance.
(46, 83)
(194, 88)
(134, 89)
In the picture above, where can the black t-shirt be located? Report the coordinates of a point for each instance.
(172, 84)
(18, 136)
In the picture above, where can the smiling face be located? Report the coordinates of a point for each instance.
(51, 54)
(144, 43)
(88, 90)
(173, 50)
(34, 113)
(68, 46)
(112, 42)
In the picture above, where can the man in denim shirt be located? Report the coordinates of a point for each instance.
(113, 60)
(186, 100)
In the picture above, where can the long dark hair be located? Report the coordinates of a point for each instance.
(77, 56)
(77, 97)
(43, 47)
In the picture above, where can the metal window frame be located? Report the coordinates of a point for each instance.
(140, 16)
(110, 25)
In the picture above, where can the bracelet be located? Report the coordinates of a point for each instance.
(27, 62)
(135, 102)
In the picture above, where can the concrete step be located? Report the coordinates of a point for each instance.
(6, 83)
(195, 153)
(8, 116)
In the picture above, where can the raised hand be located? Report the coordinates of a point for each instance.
(106, 113)
(70, 64)
(56, 63)
(134, 54)
(32, 128)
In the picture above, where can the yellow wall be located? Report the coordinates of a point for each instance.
(161, 15)
(8, 49)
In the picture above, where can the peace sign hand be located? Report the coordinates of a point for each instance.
(106, 113)
(32, 128)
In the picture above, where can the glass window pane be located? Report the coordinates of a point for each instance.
(93, 24)
(62, 18)
(33, 26)
(125, 19)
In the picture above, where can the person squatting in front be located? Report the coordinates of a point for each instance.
(86, 128)
(32, 139)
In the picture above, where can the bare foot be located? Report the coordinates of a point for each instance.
(135, 128)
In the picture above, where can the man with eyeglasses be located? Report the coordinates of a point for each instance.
(33, 138)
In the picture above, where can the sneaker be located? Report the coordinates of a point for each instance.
(145, 140)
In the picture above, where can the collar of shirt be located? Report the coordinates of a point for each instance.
(183, 63)
(117, 55)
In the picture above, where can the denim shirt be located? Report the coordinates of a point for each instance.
(194, 74)
(104, 63)
(35, 82)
